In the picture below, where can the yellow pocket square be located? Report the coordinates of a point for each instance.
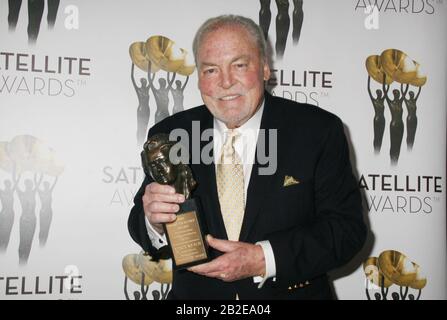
(290, 181)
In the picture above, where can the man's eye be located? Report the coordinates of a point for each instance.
(241, 65)
(209, 71)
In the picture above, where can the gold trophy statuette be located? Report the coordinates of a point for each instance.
(185, 235)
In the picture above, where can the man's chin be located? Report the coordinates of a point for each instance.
(233, 122)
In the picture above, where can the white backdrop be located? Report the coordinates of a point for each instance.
(88, 118)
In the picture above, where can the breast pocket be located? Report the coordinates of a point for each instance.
(291, 204)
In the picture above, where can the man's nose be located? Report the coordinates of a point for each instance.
(227, 79)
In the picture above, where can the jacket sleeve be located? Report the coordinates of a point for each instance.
(337, 232)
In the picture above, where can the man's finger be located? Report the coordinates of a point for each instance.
(172, 198)
(163, 207)
(155, 187)
(161, 218)
(222, 245)
(212, 266)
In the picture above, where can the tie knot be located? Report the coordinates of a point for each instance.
(228, 152)
(232, 135)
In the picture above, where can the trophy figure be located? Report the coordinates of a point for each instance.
(177, 94)
(185, 237)
(143, 111)
(396, 124)
(375, 72)
(139, 58)
(265, 16)
(379, 118)
(161, 96)
(27, 198)
(282, 26)
(297, 17)
(46, 210)
(412, 119)
(7, 211)
(35, 13)
(53, 6)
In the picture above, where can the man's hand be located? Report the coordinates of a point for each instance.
(160, 203)
(241, 260)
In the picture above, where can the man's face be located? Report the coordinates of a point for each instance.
(162, 170)
(231, 74)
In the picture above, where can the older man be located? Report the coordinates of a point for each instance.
(272, 236)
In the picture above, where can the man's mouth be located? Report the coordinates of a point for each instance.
(230, 97)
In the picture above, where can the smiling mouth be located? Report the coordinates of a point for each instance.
(229, 98)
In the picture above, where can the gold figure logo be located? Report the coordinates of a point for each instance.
(159, 53)
(391, 66)
(393, 268)
(32, 169)
(143, 271)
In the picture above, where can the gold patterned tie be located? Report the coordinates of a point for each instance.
(230, 187)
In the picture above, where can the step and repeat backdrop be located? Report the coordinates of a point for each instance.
(76, 102)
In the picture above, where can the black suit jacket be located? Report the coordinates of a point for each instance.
(313, 226)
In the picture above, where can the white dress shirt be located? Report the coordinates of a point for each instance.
(245, 146)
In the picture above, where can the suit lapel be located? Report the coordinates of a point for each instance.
(258, 187)
(206, 177)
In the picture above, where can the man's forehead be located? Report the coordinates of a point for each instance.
(237, 43)
(225, 31)
(232, 59)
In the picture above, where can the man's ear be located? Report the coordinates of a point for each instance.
(266, 71)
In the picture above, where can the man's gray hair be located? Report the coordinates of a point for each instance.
(215, 23)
